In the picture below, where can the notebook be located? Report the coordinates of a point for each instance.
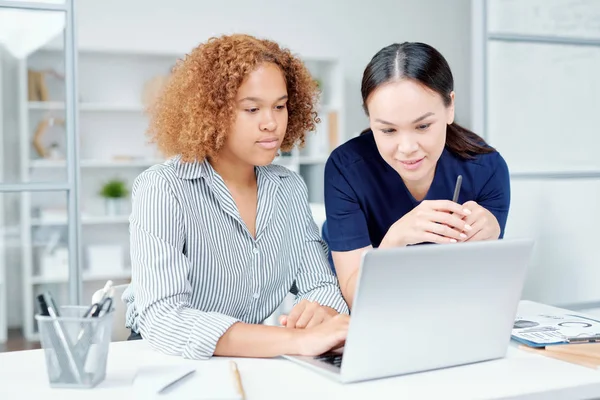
(590, 350)
(580, 354)
(198, 381)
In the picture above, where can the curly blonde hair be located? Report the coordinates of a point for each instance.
(195, 110)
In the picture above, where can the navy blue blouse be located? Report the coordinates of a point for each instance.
(364, 196)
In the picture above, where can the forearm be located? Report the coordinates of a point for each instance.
(349, 288)
(327, 294)
(391, 239)
(315, 280)
(246, 340)
(174, 328)
(347, 264)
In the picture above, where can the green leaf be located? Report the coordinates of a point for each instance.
(114, 188)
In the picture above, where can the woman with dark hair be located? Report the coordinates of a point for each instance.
(392, 185)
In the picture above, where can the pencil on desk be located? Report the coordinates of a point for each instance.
(238, 379)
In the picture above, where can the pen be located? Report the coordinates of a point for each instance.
(238, 379)
(584, 338)
(179, 379)
(82, 345)
(457, 188)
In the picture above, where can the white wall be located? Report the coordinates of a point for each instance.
(350, 29)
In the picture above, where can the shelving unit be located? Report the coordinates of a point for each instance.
(9, 223)
(3, 234)
(113, 144)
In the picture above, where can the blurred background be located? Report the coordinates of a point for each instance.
(75, 76)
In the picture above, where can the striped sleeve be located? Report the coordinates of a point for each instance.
(315, 281)
(160, 275)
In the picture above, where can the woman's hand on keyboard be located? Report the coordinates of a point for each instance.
(330, 335)
(307, 314)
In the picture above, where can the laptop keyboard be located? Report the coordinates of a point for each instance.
(333, 359)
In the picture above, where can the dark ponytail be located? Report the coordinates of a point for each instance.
(424, 64)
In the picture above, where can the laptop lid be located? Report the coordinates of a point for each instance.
(424, 307)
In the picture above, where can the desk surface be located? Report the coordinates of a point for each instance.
(519, 375)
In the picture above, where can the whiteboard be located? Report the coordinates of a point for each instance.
(563, 218)
(543, 105)
(570, 18)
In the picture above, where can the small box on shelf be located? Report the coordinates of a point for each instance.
(105, 259)
(54, 264)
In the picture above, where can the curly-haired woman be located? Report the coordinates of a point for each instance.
(219, 235)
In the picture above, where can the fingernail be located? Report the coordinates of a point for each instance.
(468, 227)
(467, 211)
(452, 240)
(462, 235)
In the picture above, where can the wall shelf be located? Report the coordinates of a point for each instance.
(41, 280)
(85, 220)
(45, 163)
(97, 107)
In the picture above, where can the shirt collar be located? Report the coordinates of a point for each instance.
(190, 170)
(203, 169)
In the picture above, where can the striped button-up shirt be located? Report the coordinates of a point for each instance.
(197, 270)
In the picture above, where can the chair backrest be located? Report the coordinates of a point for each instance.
(119, 332)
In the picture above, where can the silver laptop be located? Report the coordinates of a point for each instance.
(426, 307)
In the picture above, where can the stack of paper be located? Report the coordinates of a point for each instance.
(573, 338)
(545, 330)
(205, 380)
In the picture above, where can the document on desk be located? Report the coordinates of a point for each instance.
(195, 381)
(557, 329)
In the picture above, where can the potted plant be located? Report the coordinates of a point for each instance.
(114, 192)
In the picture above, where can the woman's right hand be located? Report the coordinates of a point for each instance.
(433, 221)
(329, 335)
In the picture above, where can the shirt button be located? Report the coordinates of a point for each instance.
(256, 295)
(255, 250)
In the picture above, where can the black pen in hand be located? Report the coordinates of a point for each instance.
(457, 189)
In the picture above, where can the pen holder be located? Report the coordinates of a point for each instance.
(75, 346)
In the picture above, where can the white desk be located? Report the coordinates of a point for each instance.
(519, 375)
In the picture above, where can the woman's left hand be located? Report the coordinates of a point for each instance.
(307, 314)
(484, 223)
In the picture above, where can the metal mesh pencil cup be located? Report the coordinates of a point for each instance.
(75, 347)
